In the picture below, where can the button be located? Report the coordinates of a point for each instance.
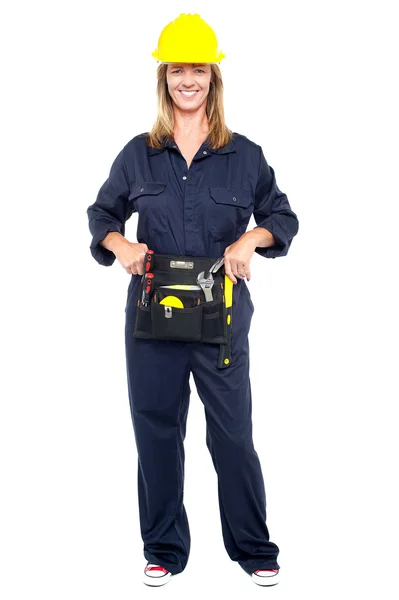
(184, 177)
(234, 198)
(142, 190)
(204, 152)
(174, 146)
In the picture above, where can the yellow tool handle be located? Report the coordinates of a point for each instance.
(228, 291)
(225, 349)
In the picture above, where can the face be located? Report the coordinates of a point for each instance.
(188, 84)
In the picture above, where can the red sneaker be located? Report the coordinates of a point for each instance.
(266, 576)
(156, 575)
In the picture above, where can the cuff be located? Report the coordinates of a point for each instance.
(281, 244)
(102, 255)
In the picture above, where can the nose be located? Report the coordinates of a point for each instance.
(188, 80)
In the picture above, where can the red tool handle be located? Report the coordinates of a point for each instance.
(148, 261)
(148, 282)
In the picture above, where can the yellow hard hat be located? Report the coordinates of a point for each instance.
(188, 39)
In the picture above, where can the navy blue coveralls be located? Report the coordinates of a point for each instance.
(196, 211)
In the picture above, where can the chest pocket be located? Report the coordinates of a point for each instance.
(229, 210)
(149, 200)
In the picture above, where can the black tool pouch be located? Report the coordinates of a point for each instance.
(199, 320)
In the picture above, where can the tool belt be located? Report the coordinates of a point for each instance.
(179, 299)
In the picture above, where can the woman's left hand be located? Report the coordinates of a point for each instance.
(237, 258)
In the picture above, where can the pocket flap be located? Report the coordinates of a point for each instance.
(241, 198)
(146, 188)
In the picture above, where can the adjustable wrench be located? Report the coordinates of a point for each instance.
(206, 284)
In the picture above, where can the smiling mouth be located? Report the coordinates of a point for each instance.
(188, 93)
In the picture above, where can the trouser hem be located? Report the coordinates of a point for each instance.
(251, 567)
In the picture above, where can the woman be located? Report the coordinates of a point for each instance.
(195, 185)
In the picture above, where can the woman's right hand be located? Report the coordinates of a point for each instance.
(131, 256)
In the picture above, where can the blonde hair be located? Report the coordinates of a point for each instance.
(219, 134)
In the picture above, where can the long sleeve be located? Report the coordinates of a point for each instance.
(273, 212)
(110, 211)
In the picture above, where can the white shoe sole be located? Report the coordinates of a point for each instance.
(156, 581)
(266, 579)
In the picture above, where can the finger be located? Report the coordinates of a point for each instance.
(245, 270)
(239, 270)
(139, 266)
(228, 271)
(133, 268)
(241, 273)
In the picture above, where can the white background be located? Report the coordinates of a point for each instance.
(314, 84)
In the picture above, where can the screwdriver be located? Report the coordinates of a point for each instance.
(148, 261)
(148, 283)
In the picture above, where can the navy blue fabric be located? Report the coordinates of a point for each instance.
(194, 212)
(196, 216)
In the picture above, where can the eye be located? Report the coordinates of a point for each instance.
(178, 70)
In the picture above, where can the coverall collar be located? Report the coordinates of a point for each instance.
(170, 143)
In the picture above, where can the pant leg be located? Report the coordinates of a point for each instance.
(158, 385)
(226, 395)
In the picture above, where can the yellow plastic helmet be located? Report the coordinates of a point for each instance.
(188, 39)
